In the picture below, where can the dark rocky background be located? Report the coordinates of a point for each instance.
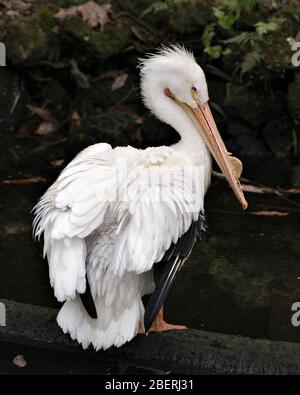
(82, 80)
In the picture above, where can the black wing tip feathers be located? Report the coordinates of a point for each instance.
(166, 270)
(147, 326)
(88, 302)
(160, 294)
(89, 307)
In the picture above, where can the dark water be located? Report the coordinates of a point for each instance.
(241, 279)
(41, 361)
(45, 361)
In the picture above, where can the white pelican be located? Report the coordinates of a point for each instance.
(119, 223)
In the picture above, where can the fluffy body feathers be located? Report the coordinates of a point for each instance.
(113, 213)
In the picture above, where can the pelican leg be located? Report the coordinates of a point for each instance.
(160, 325)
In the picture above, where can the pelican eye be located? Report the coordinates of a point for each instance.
(194, 93)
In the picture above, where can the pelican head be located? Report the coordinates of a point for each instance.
(174, 88)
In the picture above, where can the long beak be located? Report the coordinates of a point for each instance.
(231, 167)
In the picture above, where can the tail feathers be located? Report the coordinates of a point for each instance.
(73, 319)
(67, 267)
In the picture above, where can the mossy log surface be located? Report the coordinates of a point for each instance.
(192, 349)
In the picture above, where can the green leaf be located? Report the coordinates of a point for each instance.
(272, 25)
(155, 8)
(214, 52)
(227, 52)
(207, 35)
(224, 20)
(240, 39)
(159, 6)
(237, 6)
(250, 61)
(248, 5)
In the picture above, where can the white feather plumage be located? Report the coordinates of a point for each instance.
(112, 213)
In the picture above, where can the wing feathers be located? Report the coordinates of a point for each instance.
(88, 302)
(160, 294)
(166, 270)
(149, 200)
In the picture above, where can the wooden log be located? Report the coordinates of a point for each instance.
(192, 351)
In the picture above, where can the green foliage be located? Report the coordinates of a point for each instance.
(87, 44)
(155, 8)
(252, 41)
(291, 10)
(30, 37)
(236, 7)
(272, 25)
(255, 41)
(214, 51)
(224, 20)
(251, 60)
(207, 35)
(160, 6)
(240, 39)
(226, 14)
(230, 10)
